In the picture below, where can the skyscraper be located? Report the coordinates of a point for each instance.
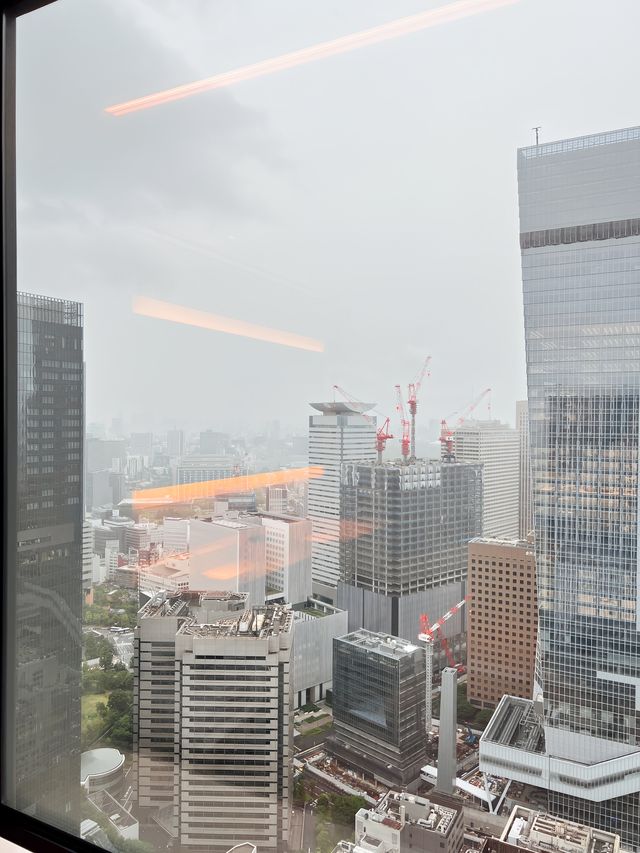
(496, 446)
(215, 740)
(580, 241)
(340, 433)
(525, 502)
(45, 682)
(404, 548)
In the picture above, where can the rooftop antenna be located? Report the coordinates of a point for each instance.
(537, 130)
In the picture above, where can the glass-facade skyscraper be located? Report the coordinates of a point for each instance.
(580, 242)
(46, 621)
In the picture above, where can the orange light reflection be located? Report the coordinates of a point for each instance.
(159, 310)
(390, 30)
(211, 488)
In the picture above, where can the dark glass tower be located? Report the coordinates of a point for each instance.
(48, 606)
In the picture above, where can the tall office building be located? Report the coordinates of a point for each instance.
(287, 556)
(87, 559)
(213, 720)
(502, 620)
(342, 432)
(379, 706)
(141, 444)
(404, 548)
(525, 499)
(44, 683)
(175, 443)
(580, 241)
(496, 446)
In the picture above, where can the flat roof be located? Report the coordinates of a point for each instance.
(337, 407)
(259, 622)
(514, 723)
(98, 762)
(533, 830)
(383, 644)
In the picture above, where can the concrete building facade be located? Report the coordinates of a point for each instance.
(340, 433)
(287, 556)
(317, 624)
(379, 706)
(213, 721)
(496, 446)
(502, 620)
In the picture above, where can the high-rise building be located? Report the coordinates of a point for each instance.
(87, 558)
(277, 499)
(340, 433)
(379, 706)
(525, 500)
(216, 443)
(228, 554)
(175, 535)
(496, 446)
(404, 545)
(141, 444)
(214, 743)
(502, 620)
(175, 443)
(44, 668)
(287, 556)
(580, 241)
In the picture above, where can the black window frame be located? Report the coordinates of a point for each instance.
(15, 826)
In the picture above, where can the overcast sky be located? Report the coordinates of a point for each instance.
(367, 200)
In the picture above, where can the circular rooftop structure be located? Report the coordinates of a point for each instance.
(338, 407)
(101, 769)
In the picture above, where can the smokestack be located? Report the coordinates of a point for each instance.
(447, 762)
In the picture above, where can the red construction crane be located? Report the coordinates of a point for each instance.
(428, 631)
(446, 432)
(382, 434)
(414, 388)
(405, 441)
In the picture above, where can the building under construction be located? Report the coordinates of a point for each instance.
(406, 526)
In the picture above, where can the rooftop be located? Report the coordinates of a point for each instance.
(515, 723)
(260, 622)
(576, 143)
(533, 830)
(399, 809)
(177, 604)
(382, 644)
(97, 762)
(336, 407)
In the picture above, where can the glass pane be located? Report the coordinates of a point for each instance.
(297, 520)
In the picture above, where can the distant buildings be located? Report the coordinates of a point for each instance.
(340, 433)
(497, 447)
(525, 501)
(404, 544)
(43, 626)
(580, 224)
(277, 499)
(198, 469)
(502, 620)
(379, 706)
(403, 822)
(213, 785)
(175, 443)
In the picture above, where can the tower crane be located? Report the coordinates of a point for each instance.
(414, 388)
(446, 432)
(428, 632)
(382, 433)
(405, 441)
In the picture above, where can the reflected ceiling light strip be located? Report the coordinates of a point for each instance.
(210, 488)
(384, 32)
(160, 310)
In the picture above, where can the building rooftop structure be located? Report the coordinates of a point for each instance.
(337, 407)
(383, 644)
(99, 762)
(516, 724)
(398, 809)
(531, 830)
(269, 621)
(180, 603)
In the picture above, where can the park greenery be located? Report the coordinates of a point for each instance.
(118, 607)
(335, 817)
(107, 720)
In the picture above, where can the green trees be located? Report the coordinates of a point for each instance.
(335, 819)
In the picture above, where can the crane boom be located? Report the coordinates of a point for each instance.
(405, 440)
(414, 388)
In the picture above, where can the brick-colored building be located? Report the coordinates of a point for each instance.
(502, 620)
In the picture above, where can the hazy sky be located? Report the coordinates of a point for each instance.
(367, 200)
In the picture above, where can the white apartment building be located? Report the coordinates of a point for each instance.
(175, 535)
(111, 552)
(171, 575)
(340, 433)
(287, 556)
(213, 727)
(497, 447)
(525, 500)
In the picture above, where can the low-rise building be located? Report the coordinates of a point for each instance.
(102, 770)
(530, 830)
(403, 822)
